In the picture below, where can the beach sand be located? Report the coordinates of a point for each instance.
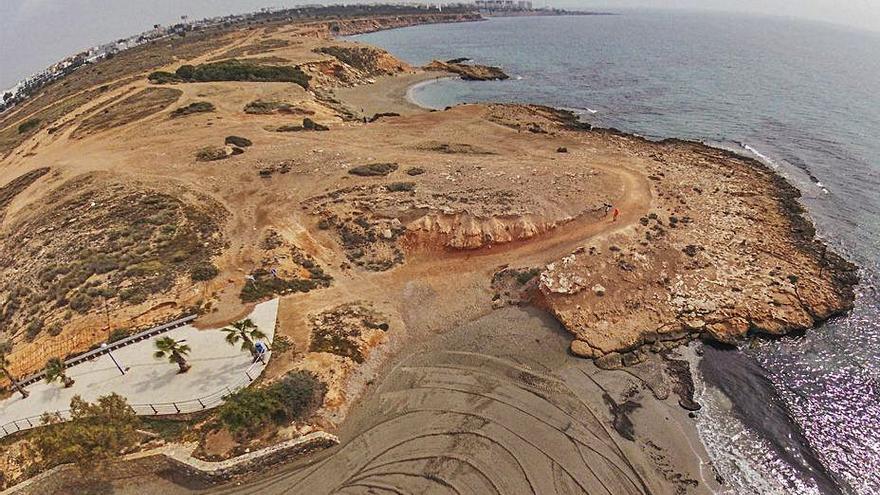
(387, 95)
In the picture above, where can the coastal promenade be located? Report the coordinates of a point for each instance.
(152, 386)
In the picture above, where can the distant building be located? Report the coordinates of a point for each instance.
(500, 5)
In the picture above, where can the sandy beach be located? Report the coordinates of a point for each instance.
(388, 94)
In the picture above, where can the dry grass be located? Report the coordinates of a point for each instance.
(137, 106)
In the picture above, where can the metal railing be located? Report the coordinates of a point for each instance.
(112, 346)
(157, 408)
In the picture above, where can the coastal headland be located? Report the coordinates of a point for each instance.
(419, 256)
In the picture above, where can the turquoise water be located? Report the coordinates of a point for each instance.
(803, 97)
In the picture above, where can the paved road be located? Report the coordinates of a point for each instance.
(215, 364)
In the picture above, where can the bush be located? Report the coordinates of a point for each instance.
(373, 169)
(401, 186)
(234, 70)
(413, 171)
(238, 141)
(133, 296)
(97, 433)
(56, 328)
(299, 393)
(34, 328)
(204, 271)
(118, 334)
(249, 409)
(311, 125)
(289, 128)
(163, 77)
(294, 397)
(28, 125)
(185, 71)
(81, 302)
(196, 107)
(211, 153)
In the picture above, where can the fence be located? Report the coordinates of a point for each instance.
(156, 409)
(87, 356)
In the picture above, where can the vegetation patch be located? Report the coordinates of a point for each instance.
(260, 107)
(345, 330)
(311, 125)
(285, 269)
(196, 107)
(211, 153)
(454, 148)
(136, 107)
(294, 397)
(373, 169)
(95, 436)
(238, 141)
(28, 125)
(233, 70)
(110, 244)
(401, 187)
(307, 125)
(204, 271)
(514, 285)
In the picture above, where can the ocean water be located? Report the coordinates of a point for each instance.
(794, 415)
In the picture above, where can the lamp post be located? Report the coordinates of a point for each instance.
(104, 346)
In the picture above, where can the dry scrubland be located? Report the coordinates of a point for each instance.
(134, 191)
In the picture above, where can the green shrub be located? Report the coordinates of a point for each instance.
(118, 334)
(249, 409)
(204, 271)
(401, 186)
(28, 125)
(96, 435)
(238, 141)
(196, 107)
(133, 295)
(234, 70)
(34, 328)
(294, 397)
(185, 71)
(81, 302)
(162, 77)
(289, 128)
(56, 328)
(311, 125)
(373, 169)
(299, 393)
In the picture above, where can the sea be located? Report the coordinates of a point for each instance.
(796, 415)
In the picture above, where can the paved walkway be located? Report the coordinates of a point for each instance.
(215, 365)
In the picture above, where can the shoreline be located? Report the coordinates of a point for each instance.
(511, 125)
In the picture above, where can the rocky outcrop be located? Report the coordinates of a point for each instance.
(465, 231)
(727, 255)
(469, 72)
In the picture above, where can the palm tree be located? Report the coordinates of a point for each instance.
(57, 370)
(174, 350)
(6, 348)
(247, 333)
